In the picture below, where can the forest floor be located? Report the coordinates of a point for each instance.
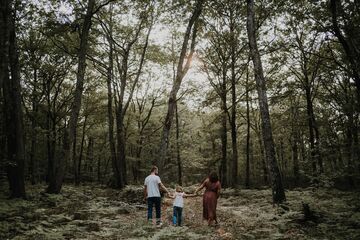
(96, 212)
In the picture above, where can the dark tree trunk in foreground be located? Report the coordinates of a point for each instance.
(276, 181)
(57, 179)
(10, 80)
(180, 73)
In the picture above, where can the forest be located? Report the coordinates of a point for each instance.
(94, 93)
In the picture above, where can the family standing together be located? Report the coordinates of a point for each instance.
(152, 194)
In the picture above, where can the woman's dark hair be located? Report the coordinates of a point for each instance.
(213, 177)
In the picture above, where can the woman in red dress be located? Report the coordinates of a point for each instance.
(212, 192)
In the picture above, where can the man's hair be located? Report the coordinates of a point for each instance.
(213, 177)
(154, 168)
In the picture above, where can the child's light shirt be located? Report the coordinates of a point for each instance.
(179, 199)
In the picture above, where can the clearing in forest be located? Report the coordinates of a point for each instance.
(96, 212)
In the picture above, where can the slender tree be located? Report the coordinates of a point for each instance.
(180, 73)
(56, 179)
(276, 181)
(248, 133)
(178, 156)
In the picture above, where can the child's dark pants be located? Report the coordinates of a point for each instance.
(177, 215)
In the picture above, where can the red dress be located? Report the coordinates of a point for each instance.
(210, 200)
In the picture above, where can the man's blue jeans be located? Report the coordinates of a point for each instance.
(157, 201)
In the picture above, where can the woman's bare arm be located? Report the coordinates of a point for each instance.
(201, 186)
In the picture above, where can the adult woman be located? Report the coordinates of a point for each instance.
(212, 192)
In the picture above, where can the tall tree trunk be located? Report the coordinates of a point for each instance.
(117, 178)
(34, 102)
(78, 176)
(137, 165)
(123, 104)
(90, 156)
(356, 143)
(178, 157)
(121, 156)
(50, 134)
(282, 160)
(4, 35)
(180, 73)
(294, 139)
(314, 137)
(262, 157)
(351, 129)
(142, 123)
(56, 183)
(117, 174)
(234, 165)
(74, 158)
(317, 145)
(10, 78)
(276, 181)
(224, 116)
(247, 167)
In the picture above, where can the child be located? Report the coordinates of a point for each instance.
(179, 204)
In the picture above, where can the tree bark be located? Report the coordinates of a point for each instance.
(123, 104)
(141, 123)
(178, 157)
(314, 137)
(90, 156)
(276, 181)
(10, 79)
(180, 73)
(247, 167)
(117, 174)
(34, 102)
(78, 176)
(50, 131)
(234, 165)
(56, 182)
(223, 135)
(294, 140)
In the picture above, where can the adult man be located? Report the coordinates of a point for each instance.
(152, 194)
